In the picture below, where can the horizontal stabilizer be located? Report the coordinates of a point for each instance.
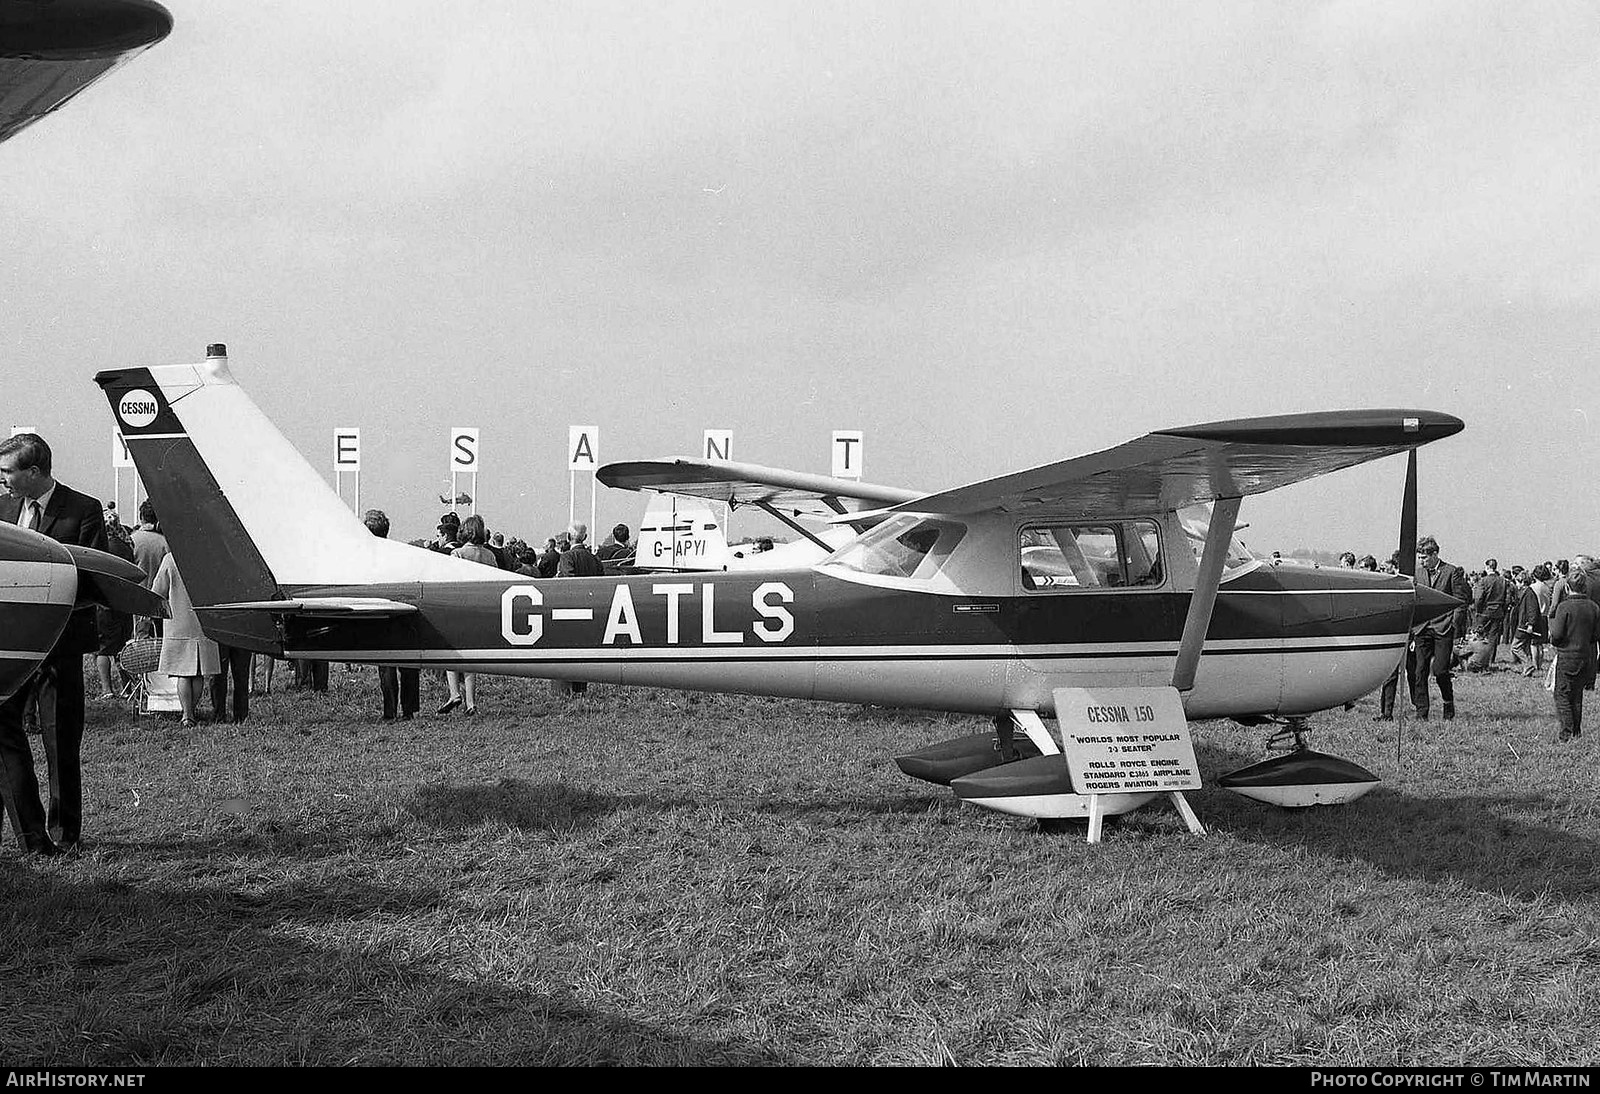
(341, 607)
(114, 583)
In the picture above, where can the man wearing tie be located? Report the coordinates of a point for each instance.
(35, 500)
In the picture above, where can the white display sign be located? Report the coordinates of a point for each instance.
(847, 454)
(719, 444)
(347, 449)
(120, 456)
(1121, 740)
(463, 449)
(583, 447)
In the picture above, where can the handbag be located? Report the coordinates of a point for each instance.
(140, 655)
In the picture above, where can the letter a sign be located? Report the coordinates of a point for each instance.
(463, 450)
(583, 447)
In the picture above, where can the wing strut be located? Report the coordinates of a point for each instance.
(767, 508)
(1224, 516)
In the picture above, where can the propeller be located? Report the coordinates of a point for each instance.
(1408, 519)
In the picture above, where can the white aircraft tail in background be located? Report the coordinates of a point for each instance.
(680, 533)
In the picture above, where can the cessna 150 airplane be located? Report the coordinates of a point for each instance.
(1115, 568)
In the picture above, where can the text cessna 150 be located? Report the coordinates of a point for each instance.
(984, 599)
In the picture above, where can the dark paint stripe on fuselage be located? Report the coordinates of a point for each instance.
(802, 613)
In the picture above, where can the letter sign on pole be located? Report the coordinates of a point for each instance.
(464, 461)
(719, 444)
(463, 450)
(583, 448)
(347, 457)
(120, 456)
(346, 449)
(847, 454)
(583, 454)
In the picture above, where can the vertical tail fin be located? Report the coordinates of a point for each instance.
(679, 533)
(246, 516)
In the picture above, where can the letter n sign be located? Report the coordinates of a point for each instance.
(583, 447)
(463, 450)
(847, 454)
(346, 449)
(719, 444)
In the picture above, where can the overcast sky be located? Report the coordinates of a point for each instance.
(987, 235)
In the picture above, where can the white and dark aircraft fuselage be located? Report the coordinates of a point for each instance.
(1105, 570)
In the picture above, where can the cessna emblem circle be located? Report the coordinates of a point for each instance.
(137, 408)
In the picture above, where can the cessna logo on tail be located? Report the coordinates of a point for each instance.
(138, 408)
(523, 618)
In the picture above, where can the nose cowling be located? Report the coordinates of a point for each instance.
(1432, 603)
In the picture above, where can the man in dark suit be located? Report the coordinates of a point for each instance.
(401, 687)
(578, 560)
(1434, 642)
(35, 500)
(1492, 599)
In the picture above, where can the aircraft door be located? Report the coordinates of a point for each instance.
(1095, 607)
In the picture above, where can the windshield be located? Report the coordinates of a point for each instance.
(1196, 522)
(903, 546)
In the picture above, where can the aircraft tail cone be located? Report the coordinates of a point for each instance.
(1432, 603)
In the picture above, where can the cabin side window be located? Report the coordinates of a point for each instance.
(1105, 555)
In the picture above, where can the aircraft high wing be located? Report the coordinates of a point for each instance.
(1112, 569)
(1177, 468)
(51, 50)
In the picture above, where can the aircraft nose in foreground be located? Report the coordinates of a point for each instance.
(1432, 603)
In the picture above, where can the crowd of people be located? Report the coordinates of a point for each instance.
(1530, 609)
(566, 554)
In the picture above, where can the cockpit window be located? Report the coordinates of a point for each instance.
(903, 546)
(1121, 554)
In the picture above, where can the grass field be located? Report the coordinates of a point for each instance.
(651, 877)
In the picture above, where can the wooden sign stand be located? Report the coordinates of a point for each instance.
(1179, 802)
(1121, 740)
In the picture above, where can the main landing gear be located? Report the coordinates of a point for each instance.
(1301, 776)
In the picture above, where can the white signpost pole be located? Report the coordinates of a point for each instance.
(347, 457)
(583, 454)
(1128, 740)
(847, 454)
